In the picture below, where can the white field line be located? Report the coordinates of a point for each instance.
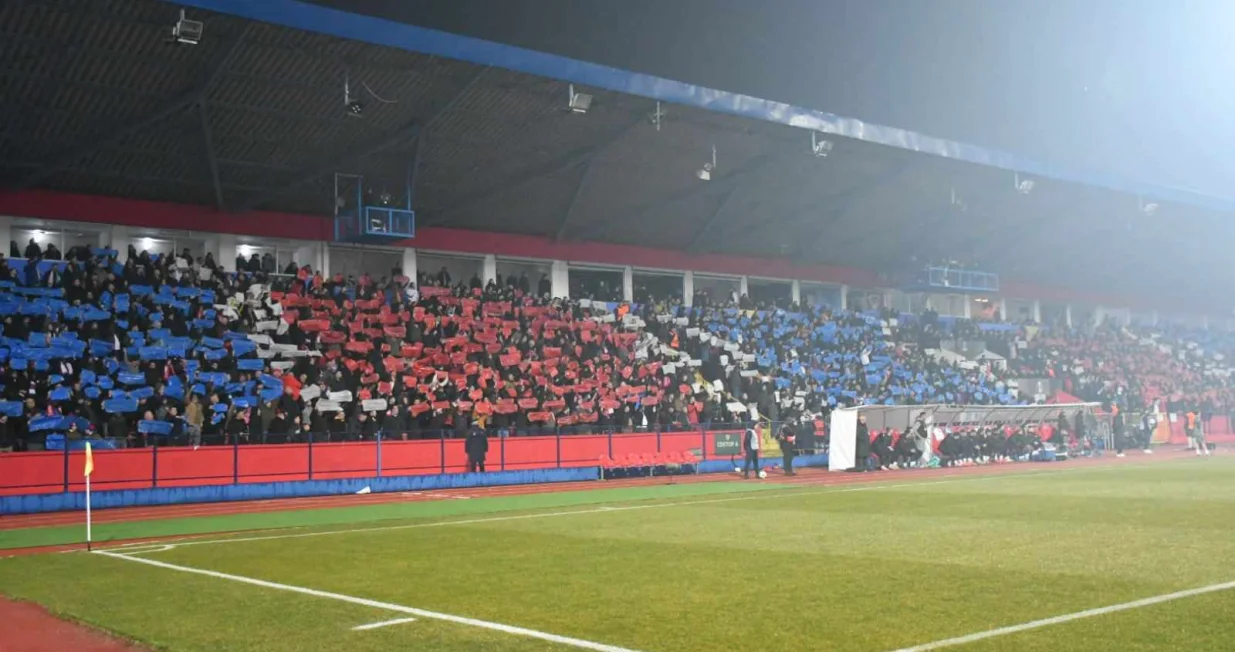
(761, 495)
(384, 623)
(1088, 613)
(388, 606)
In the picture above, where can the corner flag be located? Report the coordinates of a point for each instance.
(89, 469)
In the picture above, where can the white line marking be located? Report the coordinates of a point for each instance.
(760, 495)
(1088, 613)
(384, 623)
(388, 606)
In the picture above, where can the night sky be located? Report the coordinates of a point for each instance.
(1135, 88)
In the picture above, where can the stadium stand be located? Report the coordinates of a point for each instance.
(175, 350)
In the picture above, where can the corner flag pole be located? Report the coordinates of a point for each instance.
(88, 470)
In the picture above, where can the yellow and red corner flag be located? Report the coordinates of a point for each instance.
(89, 461)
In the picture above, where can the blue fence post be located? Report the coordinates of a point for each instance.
(236, 460)
(610, 444)
(502, 448)
(658, 438)
(66, 466)
(379, 454)
(154, 465)
(310, 455)
(442, 438)
(703, 443)
(558, 442)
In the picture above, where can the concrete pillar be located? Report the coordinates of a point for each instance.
(1003, 309)
(743, 287)
(844, 297)
(967, 306)
(6, 233)
(1037, 311)
(559, 278)
(119, 240)
(409, 264)
(1067, 315)
(226, 254)
(795, 291)
(628, 284)
(1205, 322)
(488, 269)
(307, 253)
(1099, 315)
(325, 269)
(688, 288)
(1153, 318)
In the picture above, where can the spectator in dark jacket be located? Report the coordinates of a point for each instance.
(477, 446)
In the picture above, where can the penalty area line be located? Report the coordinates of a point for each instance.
(375, 604)
(1067, 618)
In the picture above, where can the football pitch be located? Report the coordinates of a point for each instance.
(1044, 557)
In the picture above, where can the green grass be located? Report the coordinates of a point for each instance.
(840, 568)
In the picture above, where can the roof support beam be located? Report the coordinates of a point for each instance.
(414, 130)
(212, 163)
(386, 141)
(566, 162)
(706, 227)
(119, 132)
(845, 201)
(437, 116)
(573, 206)
(692, 191)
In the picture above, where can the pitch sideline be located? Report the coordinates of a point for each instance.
(154, 547)
(388, 606)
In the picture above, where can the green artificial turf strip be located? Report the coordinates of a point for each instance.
(836, 570)
(103, 532)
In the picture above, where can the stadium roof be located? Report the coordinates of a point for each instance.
(96, 101)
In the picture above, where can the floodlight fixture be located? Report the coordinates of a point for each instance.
(958, 202)
(820, 146)
(705, 173)
(1023, 186)
(188, 32)
(354, 107)
(579, 102)
(1149, 208)
(657, 117)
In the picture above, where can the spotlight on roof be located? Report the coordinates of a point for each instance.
(188, 32)
(657, 117)
(354, 107)
(705, 173)
(820, 146)
(1149, 208)
(1023, 186)
(579, 102)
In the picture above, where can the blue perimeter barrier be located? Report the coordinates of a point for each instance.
(76, 500)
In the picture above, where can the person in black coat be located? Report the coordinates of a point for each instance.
(788, 447)
(477, 446)
(861, 445)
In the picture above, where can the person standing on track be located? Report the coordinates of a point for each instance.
(476, 446)
(788, 445)
(1198, 436)
(750, 444)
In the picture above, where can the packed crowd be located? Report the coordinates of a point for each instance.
(1138, 368)
(174, 350)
